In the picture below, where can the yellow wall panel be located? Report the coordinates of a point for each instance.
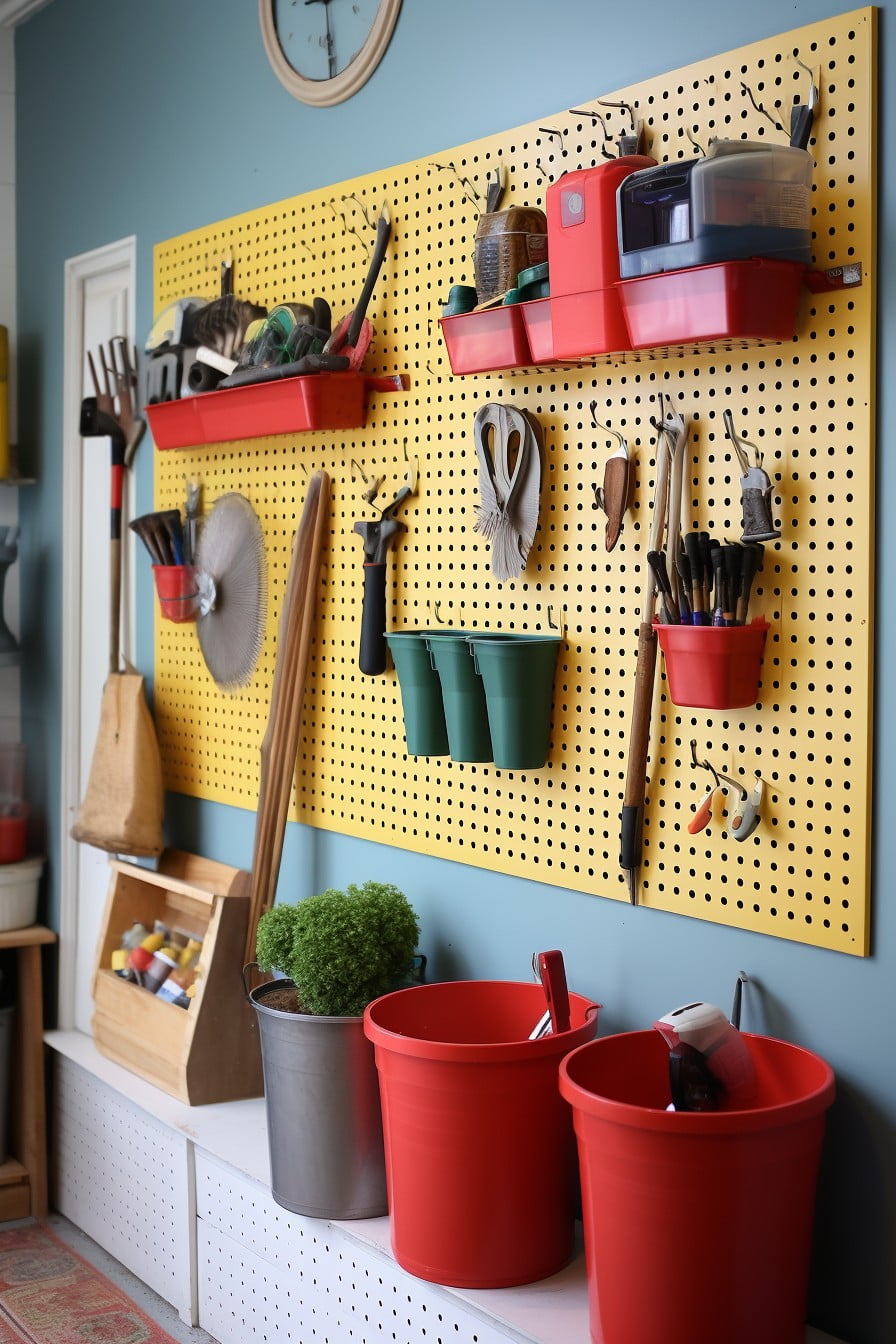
(804, 874)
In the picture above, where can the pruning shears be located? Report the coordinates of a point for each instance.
(378, 538)
(743, 817)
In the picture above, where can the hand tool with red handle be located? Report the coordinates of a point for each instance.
(352, 335)
(552, 973)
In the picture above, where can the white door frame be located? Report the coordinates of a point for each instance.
(121, 255)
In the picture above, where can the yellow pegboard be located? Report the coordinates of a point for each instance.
(804, 874)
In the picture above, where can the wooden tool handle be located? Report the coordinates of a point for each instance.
(280, 746)
(642, 706)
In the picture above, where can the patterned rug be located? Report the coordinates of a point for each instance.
(49, 1295)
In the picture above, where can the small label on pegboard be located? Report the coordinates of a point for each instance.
(835, 277)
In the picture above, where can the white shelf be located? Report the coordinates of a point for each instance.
(552, 1311)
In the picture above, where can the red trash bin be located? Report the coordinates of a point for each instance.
(698, 1225)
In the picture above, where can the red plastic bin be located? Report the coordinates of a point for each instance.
(480, 1153)
(755, 300)
(178, 592)
(175, 424)
(483, 342)
(282, 406)
(713, 667)
(698, 1224)
(539, 331)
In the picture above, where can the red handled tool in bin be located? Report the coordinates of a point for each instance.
(550, 970)
(353, 333)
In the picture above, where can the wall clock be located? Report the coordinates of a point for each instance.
(323, 51)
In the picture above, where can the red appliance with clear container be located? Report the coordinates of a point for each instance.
(583, 255)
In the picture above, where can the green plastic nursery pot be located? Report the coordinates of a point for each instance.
(323, 1113)
(463, 697)
(480, 1152)
(698, 1225)
(421, 693)
(518, 677)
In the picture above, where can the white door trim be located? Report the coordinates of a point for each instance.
(78, 270)
(17, 11)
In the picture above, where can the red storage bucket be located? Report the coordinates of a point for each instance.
(480, 1150)
(698, 1225)
(178, 592)
(713, 666)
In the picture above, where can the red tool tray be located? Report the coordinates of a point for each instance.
(755, 300)
(282, 406)
(536, 314)
(481, 342)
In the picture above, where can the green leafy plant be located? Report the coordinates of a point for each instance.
(342, 948)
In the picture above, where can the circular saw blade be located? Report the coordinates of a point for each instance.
(232, 576)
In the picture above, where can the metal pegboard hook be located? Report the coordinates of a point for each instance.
(629, 142)
(702, 765)
(605, 429)
(742, 979)
(694, 141)
(812, 100)
(596, 116)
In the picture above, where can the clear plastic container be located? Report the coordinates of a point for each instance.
(507, 242)
(744, 199)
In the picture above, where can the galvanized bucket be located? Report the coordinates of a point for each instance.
(325, 1130)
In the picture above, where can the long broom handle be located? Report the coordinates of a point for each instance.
(280, 745)
(117, 492)
(642, 706)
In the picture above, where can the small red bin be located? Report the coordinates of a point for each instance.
(493, 338)
(178, 592)
(713, 667)
(539, 331)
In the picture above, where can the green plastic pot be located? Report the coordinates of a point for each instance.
(421, 694)
(517, 673)
(463, 696)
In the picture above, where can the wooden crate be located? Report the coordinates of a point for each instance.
(210, 1051)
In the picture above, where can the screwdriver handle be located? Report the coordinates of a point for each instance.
(685, 589)
(718, 600)
(657, 562)
(733, 569)
(706, 548)
(752, 561)
(695, 560)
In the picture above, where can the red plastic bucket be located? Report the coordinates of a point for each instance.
(480, 1150)
(713, 666)
(698, 1225)
(178, 592)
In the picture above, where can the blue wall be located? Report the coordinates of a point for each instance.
(161, 117)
